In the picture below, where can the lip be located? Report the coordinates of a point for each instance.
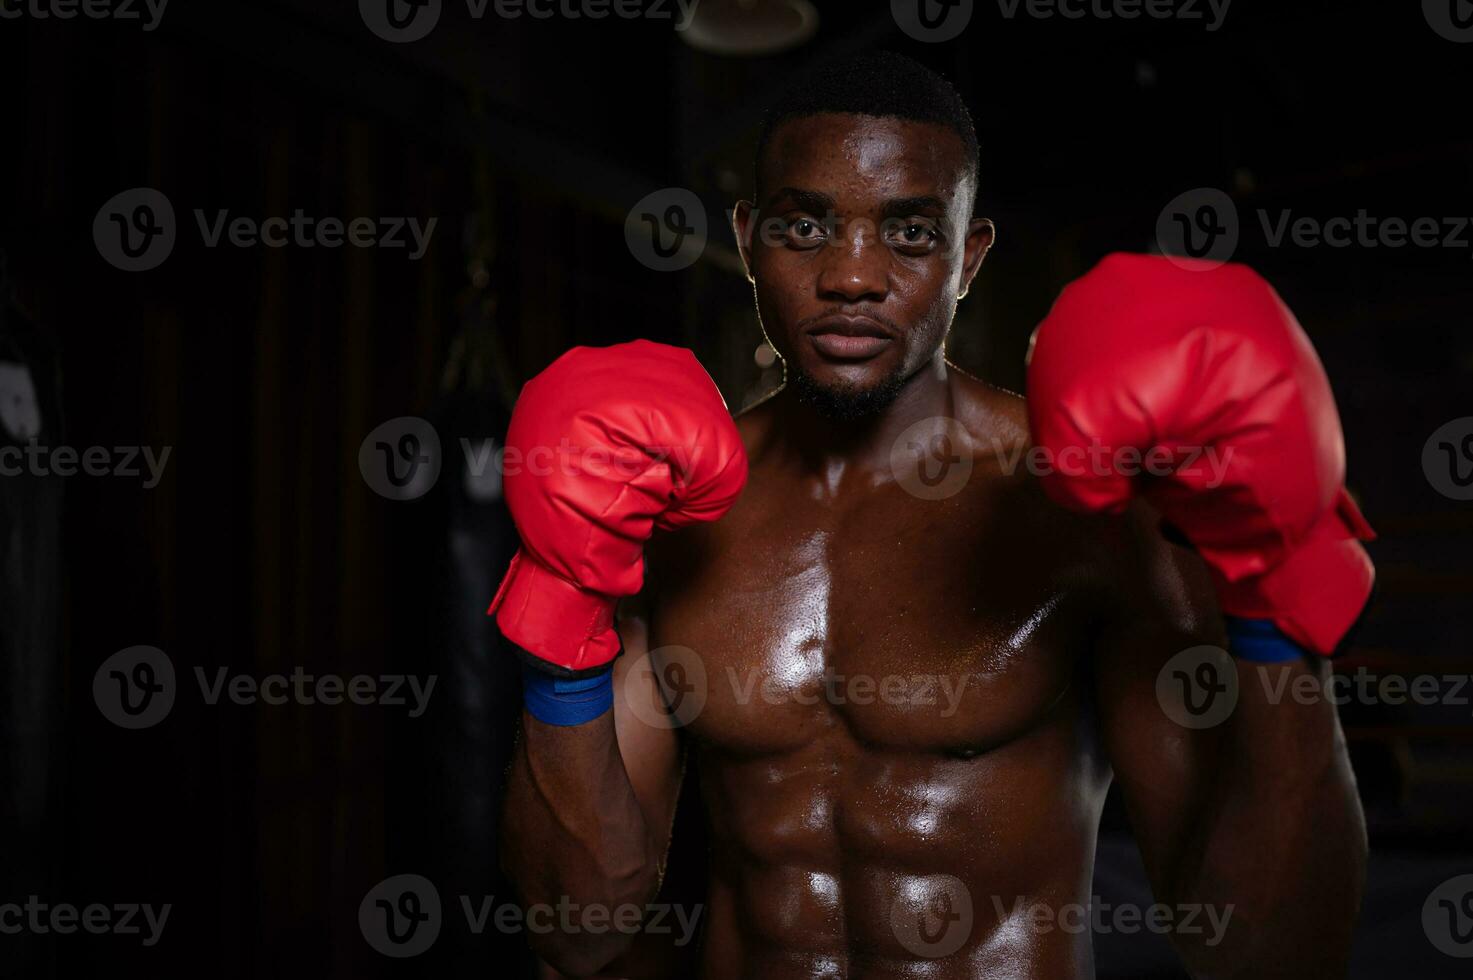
(839, 347)
(848, 338)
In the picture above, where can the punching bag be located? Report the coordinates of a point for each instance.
(30, 593)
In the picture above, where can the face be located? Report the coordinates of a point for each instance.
(859, 247)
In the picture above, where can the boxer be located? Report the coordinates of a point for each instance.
(913, 691)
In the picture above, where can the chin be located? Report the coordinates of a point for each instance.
(846, 392)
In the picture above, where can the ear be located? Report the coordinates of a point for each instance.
(981, 234)
(743, 218)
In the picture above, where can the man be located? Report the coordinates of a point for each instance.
(908, 692)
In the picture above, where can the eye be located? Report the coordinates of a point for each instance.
(913, 235)
(917, 231)
(805, 232)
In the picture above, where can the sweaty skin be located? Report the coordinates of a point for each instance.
(911, 703)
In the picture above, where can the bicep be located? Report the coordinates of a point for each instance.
(1158, 665)
(652, 752)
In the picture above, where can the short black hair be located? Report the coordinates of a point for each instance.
(877, 83)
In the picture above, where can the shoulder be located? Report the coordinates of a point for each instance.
(995, 416)
(756, 422)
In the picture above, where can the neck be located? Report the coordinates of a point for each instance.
(831, 448)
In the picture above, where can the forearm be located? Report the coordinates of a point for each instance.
(1282, 848)
(574, 834)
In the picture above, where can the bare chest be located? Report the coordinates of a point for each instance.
(942, 626)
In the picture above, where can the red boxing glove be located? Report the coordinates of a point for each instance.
(1203, 369)
(604, 446)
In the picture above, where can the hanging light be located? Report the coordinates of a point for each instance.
(750, 27)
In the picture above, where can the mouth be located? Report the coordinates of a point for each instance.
(849, 338)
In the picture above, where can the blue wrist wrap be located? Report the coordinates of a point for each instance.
(566, 701)
(1260, 641)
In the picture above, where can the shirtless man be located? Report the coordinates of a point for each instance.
(907, 693)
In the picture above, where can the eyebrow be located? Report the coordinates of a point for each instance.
(814, 201)
(901, 206)
(820, 203)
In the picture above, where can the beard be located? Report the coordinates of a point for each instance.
(846, 402)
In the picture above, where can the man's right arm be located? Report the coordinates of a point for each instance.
(589, 810)
(605, 447)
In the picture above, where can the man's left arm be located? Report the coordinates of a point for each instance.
(1251, 821)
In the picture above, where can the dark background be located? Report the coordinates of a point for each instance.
(263, 549)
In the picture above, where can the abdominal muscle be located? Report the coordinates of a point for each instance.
(841, 860)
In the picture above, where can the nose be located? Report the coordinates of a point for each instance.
(855, 265)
